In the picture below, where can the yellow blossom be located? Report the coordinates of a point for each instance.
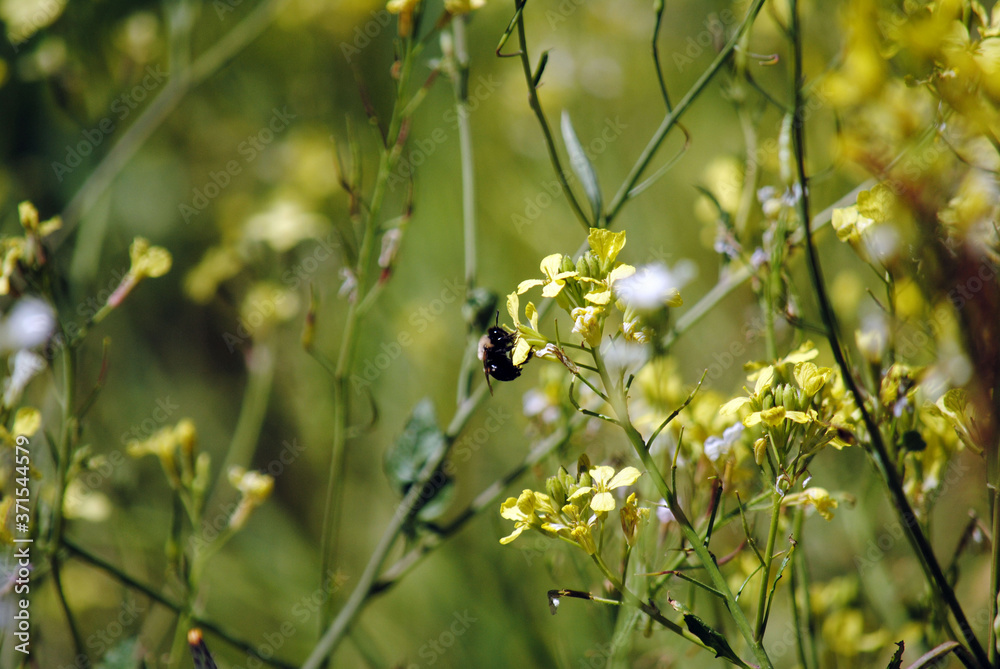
(587, 324)
(810, 377)
(605, 480)
(554, 280)
(456, 7)
(254, 489)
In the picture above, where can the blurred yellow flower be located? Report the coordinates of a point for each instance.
(456, 7)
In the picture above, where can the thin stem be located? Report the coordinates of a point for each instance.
(176, 607)
(158, 110)
(335, 488)
(650, 611)
(994, 565)
(765, 572)
(536, 106)
(460, 78)
(619, 405)
(801, 605)
(674, 116)
(922, 547)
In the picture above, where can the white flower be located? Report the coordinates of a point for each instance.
(25, 365)
(717, 447)
(663, 513)
(655, 285)
(29, 324)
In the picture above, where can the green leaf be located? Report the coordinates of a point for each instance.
(897, 658)
(404, 460)
(711, 638)
(582, 167)
(123, 655)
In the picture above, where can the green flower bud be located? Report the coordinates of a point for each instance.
(556, 490)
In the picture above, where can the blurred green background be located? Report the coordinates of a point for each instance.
(86, 73)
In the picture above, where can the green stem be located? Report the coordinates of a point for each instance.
(158, 597)
(801, 605)
(765, 578)
(654, 613)
(460, 80)
(919, 542)
(335, 488)
(67, 441)
(672, 117)
(536, 106)
(338, 628)
(991, 647)
(620, 408)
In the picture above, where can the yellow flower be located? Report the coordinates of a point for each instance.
(810, 377)
(775, 416)
(765, 379)
(605, 480)
(587, 324)
(27, 420)
(147, 262)
(554, 279)
(456, 7)
(606, 245)
(819, 498)
(254, 489)
(522, 511)
(528, 335)
(601, 295)
(405, 9)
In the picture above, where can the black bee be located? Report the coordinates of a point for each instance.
(495, 350)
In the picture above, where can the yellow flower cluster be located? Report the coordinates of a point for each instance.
(795, 391)
(573, 509)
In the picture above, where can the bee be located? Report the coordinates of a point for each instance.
(495, 350)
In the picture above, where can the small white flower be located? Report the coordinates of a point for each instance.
(29, 324)
(718, 447)
(25, 365)
(664, 514)
(655, 285)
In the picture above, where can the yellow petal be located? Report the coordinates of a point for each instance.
(513, 535)
(521, 351)
(765, 378)
(551, 264)
(552, 289)
(734, 405)
(513, 307)
(606, 244)
(601, 475)
(805, 352)
(627, 476)
(602, 502)
(527, 284)
(532, 313)
(27, 420)
(601, 297)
